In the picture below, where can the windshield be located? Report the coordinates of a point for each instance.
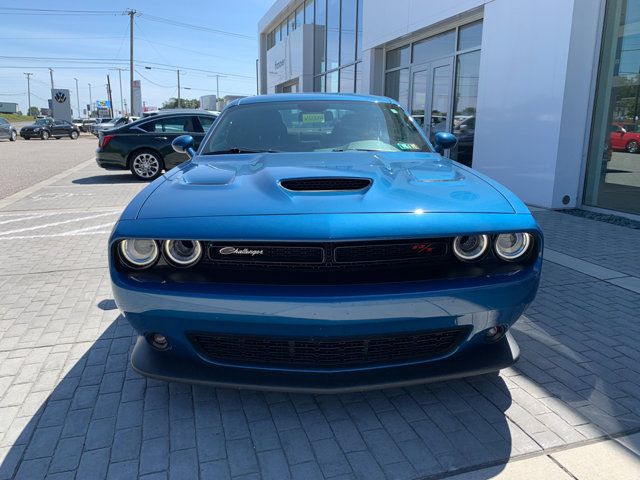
(314, 126)
(41, 121)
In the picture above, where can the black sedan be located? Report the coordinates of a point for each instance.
(144, 146)
(7, 131)
(45, 128)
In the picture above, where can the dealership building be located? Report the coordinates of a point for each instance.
(542, 94)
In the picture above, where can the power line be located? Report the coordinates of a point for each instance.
(176, 23)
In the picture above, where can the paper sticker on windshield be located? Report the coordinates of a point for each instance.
(313, 118)
(406, 146)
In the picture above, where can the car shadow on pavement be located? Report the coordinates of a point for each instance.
(103, 420)
(106, 179)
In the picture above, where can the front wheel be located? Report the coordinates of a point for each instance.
(44, 135)
(146, 165)
(73, 135)
(14, 136)
(632, 147)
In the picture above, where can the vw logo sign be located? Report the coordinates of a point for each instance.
(60, 97)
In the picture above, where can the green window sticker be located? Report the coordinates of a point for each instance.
(406, 146)
(313, 118)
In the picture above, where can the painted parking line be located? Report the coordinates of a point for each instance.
(54, 224)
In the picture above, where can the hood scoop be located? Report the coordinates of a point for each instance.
(326, 184)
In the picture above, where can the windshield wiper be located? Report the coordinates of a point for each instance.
(239, 150)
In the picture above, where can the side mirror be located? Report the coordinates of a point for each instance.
(444, 141)
(184, 144)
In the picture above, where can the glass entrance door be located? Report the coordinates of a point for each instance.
(431, 96)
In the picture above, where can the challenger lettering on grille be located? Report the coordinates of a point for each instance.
(240, 251)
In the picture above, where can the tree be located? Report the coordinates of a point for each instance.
(184, 103)
(33, 112)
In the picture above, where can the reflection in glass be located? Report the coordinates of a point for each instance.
(347, 79)
(613, 170)
(398, 57)
(470, 35)
(419, 96)
(434, 47)
(440, 99)
(291, 23)
(299, 16)
(348, 32)
(331, 82)
(466, 98)
(308, 12)
(397, 86)
(333, 34)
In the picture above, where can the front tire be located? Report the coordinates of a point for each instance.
(632, 147)
(73, 135)
(44, 135)
(146, 165)
(13, 137)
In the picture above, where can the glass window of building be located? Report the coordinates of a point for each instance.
(319, 41)
(470, 36)
(612, 180)
(434, 47)
(347, 79)
(333, 34)
(308, 12)
(466, 99)
(331, 82)
(299, 16)
(396, 86)
(348, 20)
(291, 23)
(398, 57)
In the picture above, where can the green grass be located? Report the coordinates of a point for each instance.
(14, 117)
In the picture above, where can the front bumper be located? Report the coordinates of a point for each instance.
(353, 310)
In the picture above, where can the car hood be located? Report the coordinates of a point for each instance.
(250, 184)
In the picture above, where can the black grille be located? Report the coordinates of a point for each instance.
(327, 353)
(325, 184)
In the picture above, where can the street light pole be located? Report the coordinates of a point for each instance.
(178, 71)
(77, 97)
(121, 99)
(90, 100)
(28, 90)
(51, 75)
(131, 13)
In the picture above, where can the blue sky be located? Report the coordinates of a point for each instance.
(97, 37)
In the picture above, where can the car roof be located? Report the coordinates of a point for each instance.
(184, 111)
(296, 97)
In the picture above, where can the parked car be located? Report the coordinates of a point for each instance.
(99, 121)
(45, 128)
(622, 139)
(87, 123)
(144, 146)
(115, 123)
(348, 257)
(78, 123)
(7, 131)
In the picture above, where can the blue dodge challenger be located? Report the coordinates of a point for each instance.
(320, 243)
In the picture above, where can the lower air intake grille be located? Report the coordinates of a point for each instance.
(327, 353)
(325, 184)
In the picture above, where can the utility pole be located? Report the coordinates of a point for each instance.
(131, 13)
(257, 79)
(28, 89)
(90, 100)
(51, 75)
(109, 93)
(77, 97)
(121, 97)
(178, 71)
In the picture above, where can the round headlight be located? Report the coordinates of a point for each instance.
(182, 253)
(139, 252)
(470, 247)
(512, 246)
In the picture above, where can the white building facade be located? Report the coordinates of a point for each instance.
(542, 94)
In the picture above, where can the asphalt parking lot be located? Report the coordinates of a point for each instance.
(71, 406)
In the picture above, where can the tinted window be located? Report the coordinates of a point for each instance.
(3, 121)
(434, 47)
(206, 122)
(470, 35)
(155, 126)
(318, 125)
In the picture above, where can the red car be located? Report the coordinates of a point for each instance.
(624, 140)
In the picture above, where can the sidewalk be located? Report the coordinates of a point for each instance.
(71, 407)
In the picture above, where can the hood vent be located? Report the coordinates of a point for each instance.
(326, 184)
